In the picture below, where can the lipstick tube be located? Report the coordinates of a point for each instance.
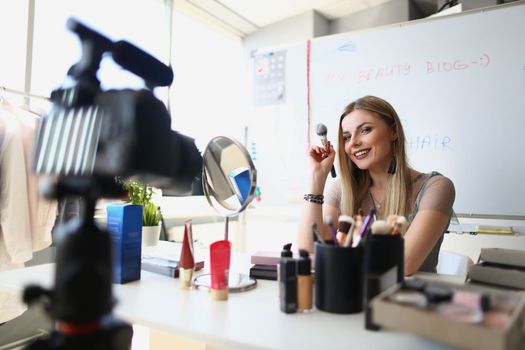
(186, 261)
(220, 252)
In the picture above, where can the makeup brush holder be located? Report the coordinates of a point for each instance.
(338, 278)
(383, 252)
(383, 267)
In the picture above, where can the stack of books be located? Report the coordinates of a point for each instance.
(165, 266)
(265, 265)
(501, 267)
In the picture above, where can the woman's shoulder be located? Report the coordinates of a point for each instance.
(434, 179)
(431, 177)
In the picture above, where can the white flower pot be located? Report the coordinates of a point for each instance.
(150, 235)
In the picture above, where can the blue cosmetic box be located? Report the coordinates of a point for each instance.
(241, 182)
(124, 222)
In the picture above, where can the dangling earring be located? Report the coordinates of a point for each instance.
(393, 166)
(393, 163)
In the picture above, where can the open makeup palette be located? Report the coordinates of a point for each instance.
(464, 316)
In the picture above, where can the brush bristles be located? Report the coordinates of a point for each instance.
(381, 227)
(345, 222)
(344, 226)
(346, 218)
(321, 129)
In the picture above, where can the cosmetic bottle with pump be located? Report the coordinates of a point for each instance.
(285, 253)
(288, 283)
(304, 282)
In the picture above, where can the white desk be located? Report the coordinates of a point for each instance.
(249, 320)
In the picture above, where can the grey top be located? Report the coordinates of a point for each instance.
(431, 191)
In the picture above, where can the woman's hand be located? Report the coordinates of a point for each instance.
(321, 161)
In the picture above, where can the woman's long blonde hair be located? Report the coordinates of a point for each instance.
(355, 183)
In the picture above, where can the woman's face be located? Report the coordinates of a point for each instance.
(367, 140)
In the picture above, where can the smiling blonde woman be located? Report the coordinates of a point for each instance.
(374, 173)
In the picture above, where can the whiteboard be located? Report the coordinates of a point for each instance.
(458, 85)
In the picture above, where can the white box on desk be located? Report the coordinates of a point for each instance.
(432, 325)
(503, 256)
(502, 267)
(505, 277)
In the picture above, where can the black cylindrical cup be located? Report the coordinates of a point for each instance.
(382, 253)
(338, 278)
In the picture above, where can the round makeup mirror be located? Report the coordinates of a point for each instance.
(229, 179)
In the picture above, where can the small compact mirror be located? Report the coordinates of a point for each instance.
(229, 179)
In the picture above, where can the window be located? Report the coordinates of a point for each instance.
(141, 22)
(209, 92)
(13, 29)
(209, 95)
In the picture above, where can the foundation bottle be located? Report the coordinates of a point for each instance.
(304, 282)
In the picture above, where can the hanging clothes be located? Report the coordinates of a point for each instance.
(42, 212)
(15, 226)
(26, 219)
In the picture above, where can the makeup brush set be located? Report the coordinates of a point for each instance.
(363, 257)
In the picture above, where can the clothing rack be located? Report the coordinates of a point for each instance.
(6, 89)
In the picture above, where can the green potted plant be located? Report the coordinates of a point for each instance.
(141, 194)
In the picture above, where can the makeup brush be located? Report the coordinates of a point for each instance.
(330, 223)
(400, 226)
(381, 227)
(321, 130)
(391, 219)
(317, 234)
(345, 223)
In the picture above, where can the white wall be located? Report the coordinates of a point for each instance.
(473, 4)
(312, 24)
(294, 29)
(394, 11)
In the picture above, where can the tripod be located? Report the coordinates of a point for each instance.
(89, 136)
(82, 301)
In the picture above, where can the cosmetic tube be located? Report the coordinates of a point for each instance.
(304, 282)
(220, 268)
(186, 261)
(288, 285)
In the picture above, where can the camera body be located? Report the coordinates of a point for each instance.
(115, 133)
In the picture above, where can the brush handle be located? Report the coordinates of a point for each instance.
(332, 172)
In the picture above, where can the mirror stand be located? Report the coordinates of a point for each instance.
(226, 227)
(229, 179)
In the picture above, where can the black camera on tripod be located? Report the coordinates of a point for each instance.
(89, 137)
